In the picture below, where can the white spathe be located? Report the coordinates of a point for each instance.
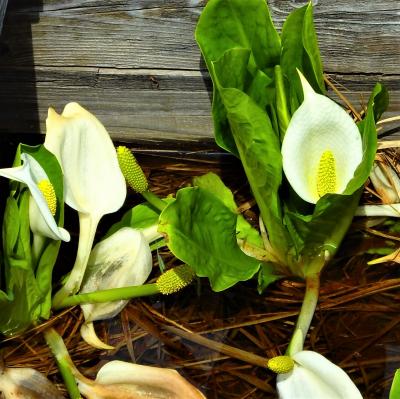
(40, 218)
(315, 377)
(122, 380)
(317, 126)
(121, 260)
(93, 182)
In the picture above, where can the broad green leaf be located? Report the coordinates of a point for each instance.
(225, 25)
(244, 230)
(395, 388)
(201, 231)
(300, 50)
(259, 150)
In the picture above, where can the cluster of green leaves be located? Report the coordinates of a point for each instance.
(256, 91)
(25, 295)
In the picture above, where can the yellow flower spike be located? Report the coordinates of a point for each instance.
(175, 279)
(281, 364)
(49, 194)
(326, 177)
(131, 170)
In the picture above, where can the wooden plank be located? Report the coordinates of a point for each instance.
(135, 63)
(148, 105)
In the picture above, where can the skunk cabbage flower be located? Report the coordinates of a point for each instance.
(322, 147)
(121, 260)
(26, 383)
(309, 375)
(122, 380)
(94, 184)
(41, 216)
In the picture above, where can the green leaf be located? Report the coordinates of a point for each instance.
(326, 229)
(201, 231)
(139, 217)
(225, 25)
(266, 276)
(380, 99)
(230, 25)
(259, 150)
(300, 50)
(395, 388)
(369, 143)
(28, 284)
(22, 304)
(244, 230)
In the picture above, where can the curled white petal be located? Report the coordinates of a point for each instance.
(315, 377)
(31, 173)
(319, 125)
(89, 335)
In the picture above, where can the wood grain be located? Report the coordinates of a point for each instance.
(135, 63)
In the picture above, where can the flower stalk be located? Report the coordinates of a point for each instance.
(170, 282)
(306, 314)
(64, 362)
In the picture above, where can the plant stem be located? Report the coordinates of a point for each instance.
(114, 294)
(64, 362)
(306, 314)
(281, 102)
(154, 200)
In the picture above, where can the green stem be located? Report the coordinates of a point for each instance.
(154, 200)
(306, 314)
(64, 362)
(281, 102)
(114, 294)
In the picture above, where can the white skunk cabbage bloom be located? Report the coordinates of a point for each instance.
(40, 215)
(26, 383)
(122, 380)
(121, 260)
(93, 182)
(309, 375)
(322, 147)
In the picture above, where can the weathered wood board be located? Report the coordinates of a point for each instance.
(135, 64)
